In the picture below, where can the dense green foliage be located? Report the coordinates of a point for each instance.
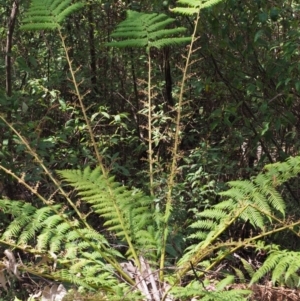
(145, 148)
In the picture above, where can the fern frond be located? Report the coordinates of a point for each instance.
(126, 212)
(22, 213)
(240, 275)
(248, 267)
(225, 282)
(293, 281)
(147, 30)
(215, 213)
(256, 201)
(50, 230)
(52, 221)
(281, 172)
(204, 224)
(187, 11)
(259, 194)
(197, 289)
(279, 263)
(130, 43)
(64, 275)
(255, 217)
(200, 235)
(31, 228)
(42, 241)
(48, 14)
(168, 42)
(193, 6)
(226, 205)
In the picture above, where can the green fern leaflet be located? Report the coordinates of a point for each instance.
(126, 212)
(191, 7)
(284, 266)
(48, 14)
(147, 30)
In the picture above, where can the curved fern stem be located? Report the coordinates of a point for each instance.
(150, 150)
(46, 170)
(114, 263)
(97, 153)
(202, 247)
(175, 155)
(80, 99)
(48, 15)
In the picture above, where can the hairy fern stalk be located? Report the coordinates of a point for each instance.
(148, 31)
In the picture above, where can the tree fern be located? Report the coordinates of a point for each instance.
(84, 256)
(48, 14)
